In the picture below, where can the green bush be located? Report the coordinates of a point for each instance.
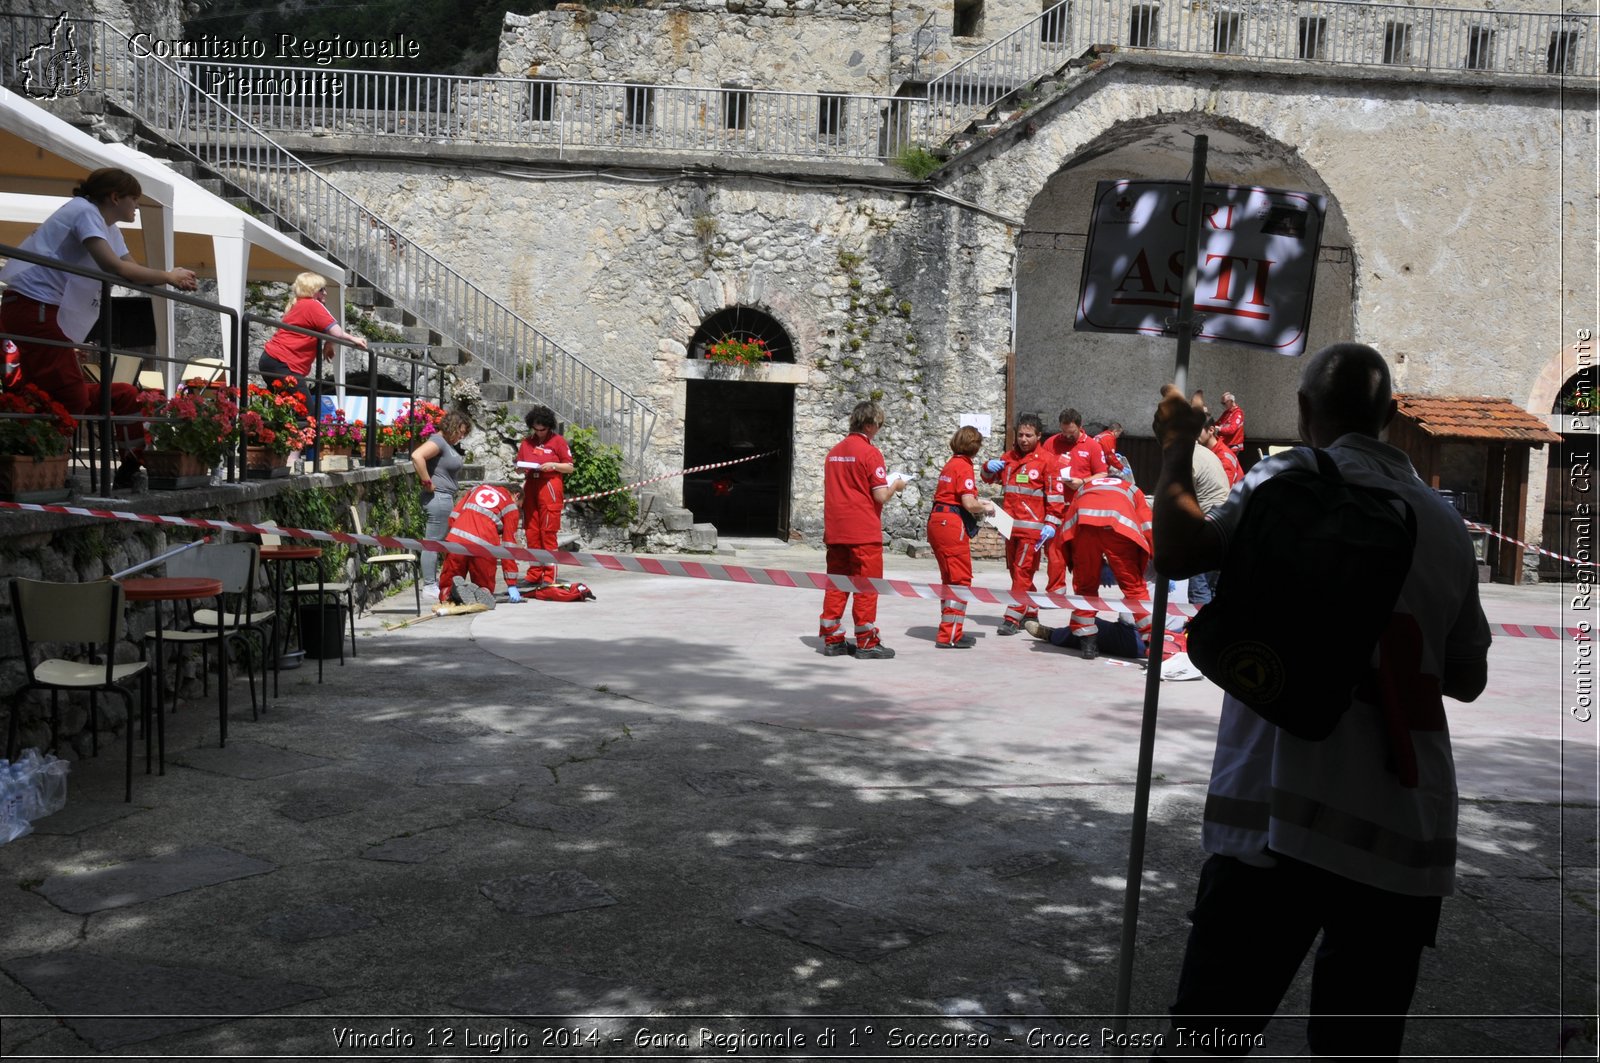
(598, 467)
(919, 162)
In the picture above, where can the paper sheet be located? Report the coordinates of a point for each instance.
(980, 421)
(1001, 521)
(893, 476)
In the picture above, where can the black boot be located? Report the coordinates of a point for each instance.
(1090, 645)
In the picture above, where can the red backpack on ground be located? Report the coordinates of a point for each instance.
(563, 592)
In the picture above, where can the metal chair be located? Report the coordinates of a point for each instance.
(234, 564)
(387, 559)
(88, 614)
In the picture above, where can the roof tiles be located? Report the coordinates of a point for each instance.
(1474, 417)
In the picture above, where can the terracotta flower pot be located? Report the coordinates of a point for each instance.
(28, 479)
(262, 464)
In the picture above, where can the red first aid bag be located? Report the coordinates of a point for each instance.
(564, 592)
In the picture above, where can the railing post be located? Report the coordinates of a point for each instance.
(106, 427)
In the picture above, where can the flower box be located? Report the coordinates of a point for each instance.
(29, 479)
(175, 470)
(262, 464)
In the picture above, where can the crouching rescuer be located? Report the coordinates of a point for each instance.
(487, 515)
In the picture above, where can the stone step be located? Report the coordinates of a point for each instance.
(417, 334)
(496, 392)
(447, 355)
(702, 538)
(215, 185)
(391, 315)
(116, 129)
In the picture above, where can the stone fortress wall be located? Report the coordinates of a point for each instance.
(909, 297)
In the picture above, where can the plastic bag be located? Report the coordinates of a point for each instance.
(52, 778)
(13, 824)
(37, 785)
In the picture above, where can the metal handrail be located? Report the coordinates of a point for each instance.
(1339, 32)
(100, 464)
(510, 348)
(565, 116)
(570, 115)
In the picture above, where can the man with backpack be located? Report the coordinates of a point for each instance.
(1352, 835)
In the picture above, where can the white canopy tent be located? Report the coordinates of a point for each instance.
(179, 223)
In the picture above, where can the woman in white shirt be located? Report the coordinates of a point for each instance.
(47, 304)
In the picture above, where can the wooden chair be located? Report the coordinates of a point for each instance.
(381, 560)
(235, 564)
(210, 370)
(90, 615)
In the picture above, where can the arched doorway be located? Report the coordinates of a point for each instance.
(733, 413)
(1570, 475)
(1109, 377)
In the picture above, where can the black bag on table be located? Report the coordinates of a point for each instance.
(1311, 577)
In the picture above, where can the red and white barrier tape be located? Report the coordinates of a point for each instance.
(767, 577)
(1526, 546)
(668, 476)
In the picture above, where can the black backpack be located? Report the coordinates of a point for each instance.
(1312, 575)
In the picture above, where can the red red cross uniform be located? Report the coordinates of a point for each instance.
(852, 528)
(1078, 460)
(1230, 462)
(1230, 428)
(1109, 522)
(947, 534)
(485, 516)
(1108, 448)
(543, 494)
(1032, 499)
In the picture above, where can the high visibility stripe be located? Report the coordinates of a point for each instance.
(1027, 492)
(1143, 528)
(1363, 834)
(829, 625)
(1237, 812)
(1031, 524)
(466, 536)
(499, 525)
(1333, 824)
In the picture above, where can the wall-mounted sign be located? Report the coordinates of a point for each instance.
(1258, 261)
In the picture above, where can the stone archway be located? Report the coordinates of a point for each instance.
(1568, 476)
(732, 413)
(1115, 377)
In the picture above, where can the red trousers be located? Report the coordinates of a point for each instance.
(1056, 556)
(479, 570)
(55, 371)
(948, 537)
(1022, 561)
(541, 526)
(1090, 546)
(858, 559)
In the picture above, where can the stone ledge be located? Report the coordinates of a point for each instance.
(780, 373)
(17, 523)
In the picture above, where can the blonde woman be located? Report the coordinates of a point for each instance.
(292, 354)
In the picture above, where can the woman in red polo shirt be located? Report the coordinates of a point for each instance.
(294, 354)
(951, 525)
